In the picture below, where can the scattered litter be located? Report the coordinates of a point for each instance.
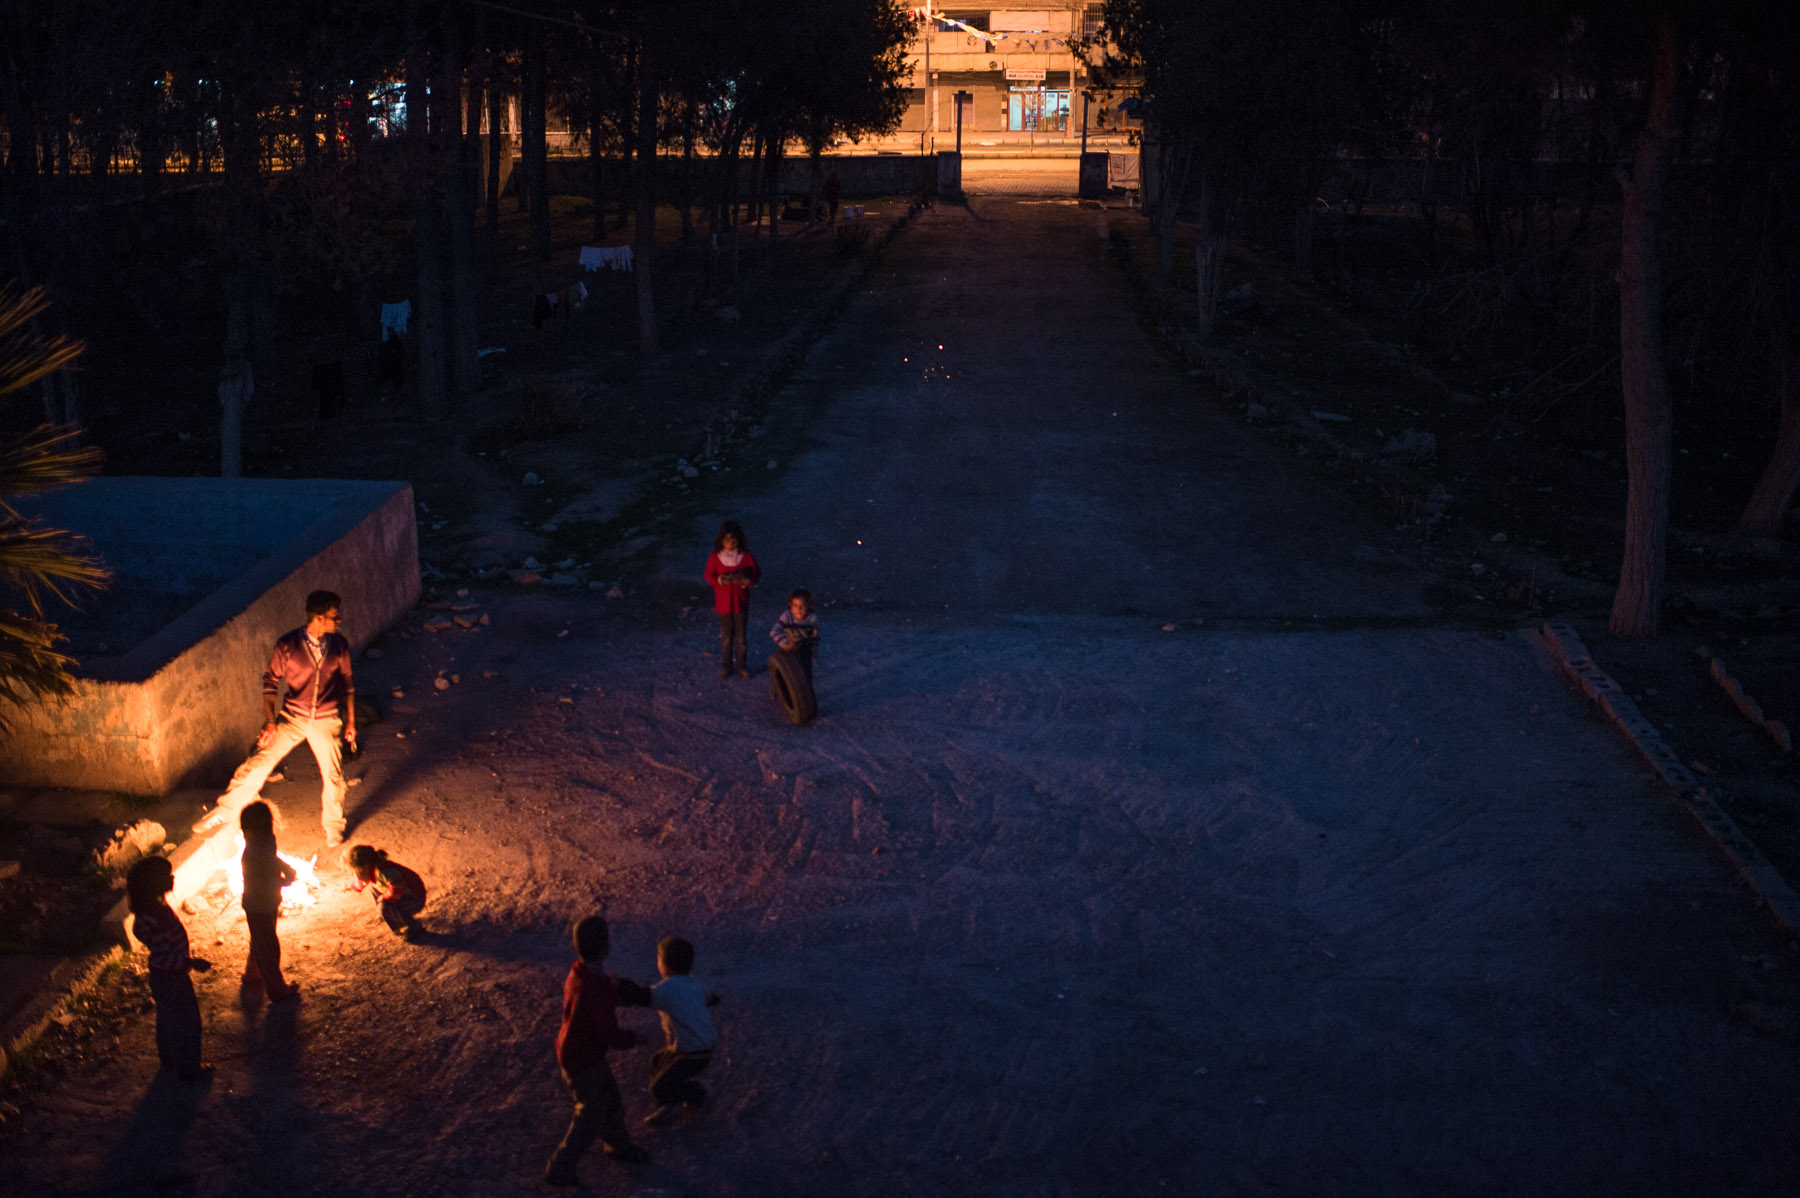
(1477, 569)
(615, 593)
(1333, 417)
(526, 577)
(1498, 538)
(1168, 628)
(564, 632)
(532, 480)
(442, 684)
(437, 624)
(690, 472)
(484, 620)
(490, 673)
(770, 465)
(532, 563)
(492, 349)
(397, 693)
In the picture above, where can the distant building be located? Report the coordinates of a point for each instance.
(1021, 71)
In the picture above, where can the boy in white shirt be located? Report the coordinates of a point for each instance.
(688, 1026)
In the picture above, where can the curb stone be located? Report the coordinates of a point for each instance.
(68, 981)
(1610, 697)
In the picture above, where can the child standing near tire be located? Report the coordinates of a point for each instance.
(732, 572)
(796, 630)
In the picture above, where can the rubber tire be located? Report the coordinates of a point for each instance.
(787, 680)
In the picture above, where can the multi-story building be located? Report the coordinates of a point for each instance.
(1019, 74)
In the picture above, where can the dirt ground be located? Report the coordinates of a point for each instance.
(1163, 830)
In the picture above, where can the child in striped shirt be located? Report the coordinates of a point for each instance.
(156, 926)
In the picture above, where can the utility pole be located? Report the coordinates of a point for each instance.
(930, 79)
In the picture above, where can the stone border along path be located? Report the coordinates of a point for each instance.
(67, 982)
(1611, 698)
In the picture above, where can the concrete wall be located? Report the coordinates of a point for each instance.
(862, 175)
(182, 706)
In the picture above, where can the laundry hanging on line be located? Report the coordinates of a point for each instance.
(394, 317)
(595, 257)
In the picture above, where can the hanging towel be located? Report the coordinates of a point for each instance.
(394, 317)
(592, 257)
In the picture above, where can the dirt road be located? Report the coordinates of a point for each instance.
(1155, 837)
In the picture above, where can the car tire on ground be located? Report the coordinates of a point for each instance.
(787, 682)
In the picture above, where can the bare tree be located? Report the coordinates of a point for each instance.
(1649, 415)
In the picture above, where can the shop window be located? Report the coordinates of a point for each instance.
(1037, 110)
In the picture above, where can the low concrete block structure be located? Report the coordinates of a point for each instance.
(208, 572)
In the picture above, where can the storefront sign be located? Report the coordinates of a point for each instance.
(1025, 73)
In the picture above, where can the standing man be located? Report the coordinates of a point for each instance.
(314, 663)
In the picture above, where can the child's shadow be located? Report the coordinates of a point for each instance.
(150, 1149)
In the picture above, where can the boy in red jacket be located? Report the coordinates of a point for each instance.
(591, 998)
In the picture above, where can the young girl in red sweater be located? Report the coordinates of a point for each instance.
(732, 572)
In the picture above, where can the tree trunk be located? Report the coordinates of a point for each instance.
(687, 174)
(1648, 413)
(235, 390)
(496, 106)
(1766, 513)
(1209, 258)
(627, 142)
(644, 251)
(772, 161)
(465, 346)
(596, 128)
(428, 249)
(416, 80)
(537, 167)
(1171, 189)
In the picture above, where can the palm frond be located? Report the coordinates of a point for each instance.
(36, 562)
(31, 667)
(43, 460)
(28, 357)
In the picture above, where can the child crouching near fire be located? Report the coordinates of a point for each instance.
(399, 892)
(674, 1069)
(590, 1026)
(159, 929)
